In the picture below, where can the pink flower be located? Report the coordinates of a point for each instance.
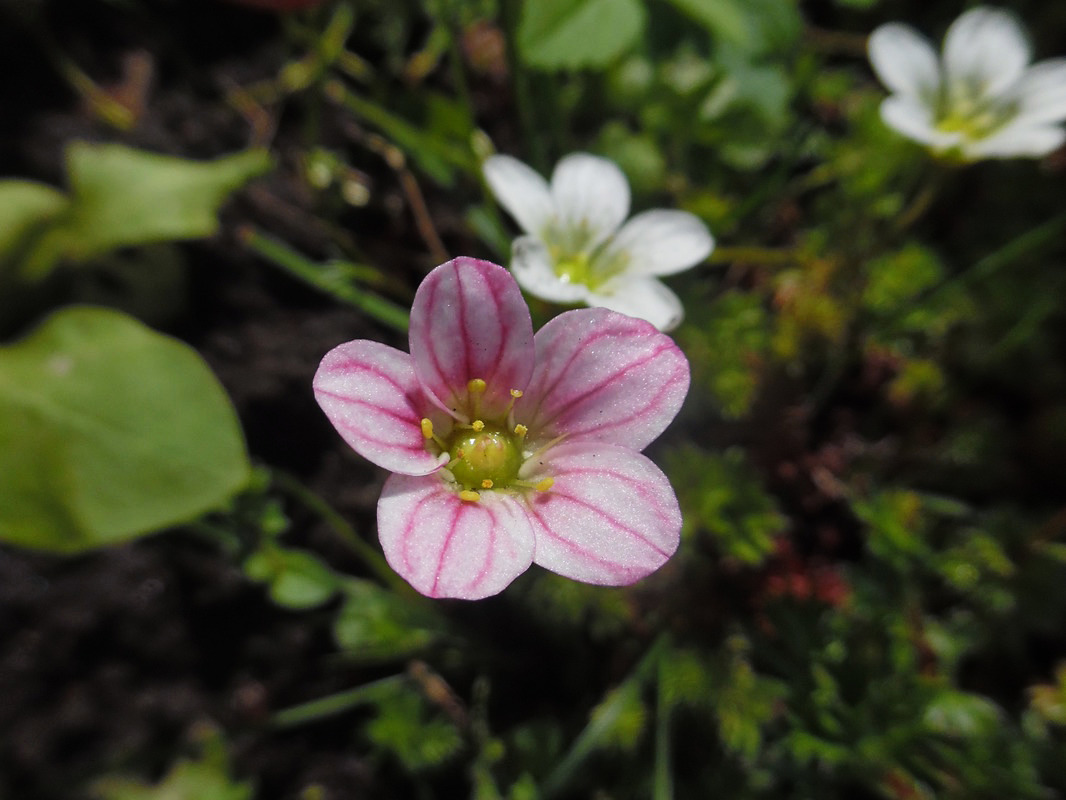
(510, 448)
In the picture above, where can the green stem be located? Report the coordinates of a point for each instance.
(367, 553)
(922, 201)
(663, 780)
(1015, 249)
(607, 714)
(538, 156)
(335, 703)
(332, 278)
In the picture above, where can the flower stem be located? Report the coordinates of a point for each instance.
(663, 780)
(336, 703)
(371, 558)
(334, 278)
(607, 714)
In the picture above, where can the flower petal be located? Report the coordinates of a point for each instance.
(533, 269)
(469, 320)
(603, 377)
(987, 49)
(447, 547)
(645, 298)
(660, 242)
(1018, 140)
(520, 190)
(610, 517)
(915, 121)
(904, 61)
(371, 395)
(592, 192)
(1041, 93)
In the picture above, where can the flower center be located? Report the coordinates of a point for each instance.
(484, 455)
(967, 111)
(484, 459)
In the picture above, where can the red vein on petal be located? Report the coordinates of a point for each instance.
(348, 399)
(447, 544)
(408, 527)
(634, 485)
(490, 552)
(570, 403)
(574, 547)
(352, 366)
(560, 491)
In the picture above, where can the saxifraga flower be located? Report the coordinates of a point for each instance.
(577, 249)
(980, 98)
(507, 448)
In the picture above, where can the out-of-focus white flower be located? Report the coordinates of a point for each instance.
(576, 249)
(980, 98)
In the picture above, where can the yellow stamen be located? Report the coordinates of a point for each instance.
(475, 387)
(516, 393)
(478, 425)
(545, 485)
(520, 431)
(487, 483)
(469, 496)
(428, 433)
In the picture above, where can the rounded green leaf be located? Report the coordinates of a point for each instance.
(108, 431)
(574, 34)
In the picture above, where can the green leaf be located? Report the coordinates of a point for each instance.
(121, 197)
(756, 26)
(108, 431)
(25, 207)
(574, 34)
(375, 624)
(297, 579)
(407, 728)
(955, 713)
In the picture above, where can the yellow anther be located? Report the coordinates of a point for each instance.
(476, 386)
(427, 428)
(516, 393)
(545, 485)
(469, 496)
(487, 483)
(520, 431)
(477, 425)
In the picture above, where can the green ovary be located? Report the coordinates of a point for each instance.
(489, 458)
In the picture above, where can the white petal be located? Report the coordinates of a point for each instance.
(447, 547)
(590, 191)
(1041, 93)
(1018, 140)
(610, 517)
(533, 269)
(520, 190)
(605, 377)
(915, 121)
(985, 47)
(644, 298)
(661, 242)
(904, 61)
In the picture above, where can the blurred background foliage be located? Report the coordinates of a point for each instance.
(868, 601)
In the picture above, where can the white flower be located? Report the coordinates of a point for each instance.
(980, 99)
(574, 250)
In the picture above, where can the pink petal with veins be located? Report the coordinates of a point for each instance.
(371, 395)
(469, 320)
(609, 518)
(605, 377)
(447, 547)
